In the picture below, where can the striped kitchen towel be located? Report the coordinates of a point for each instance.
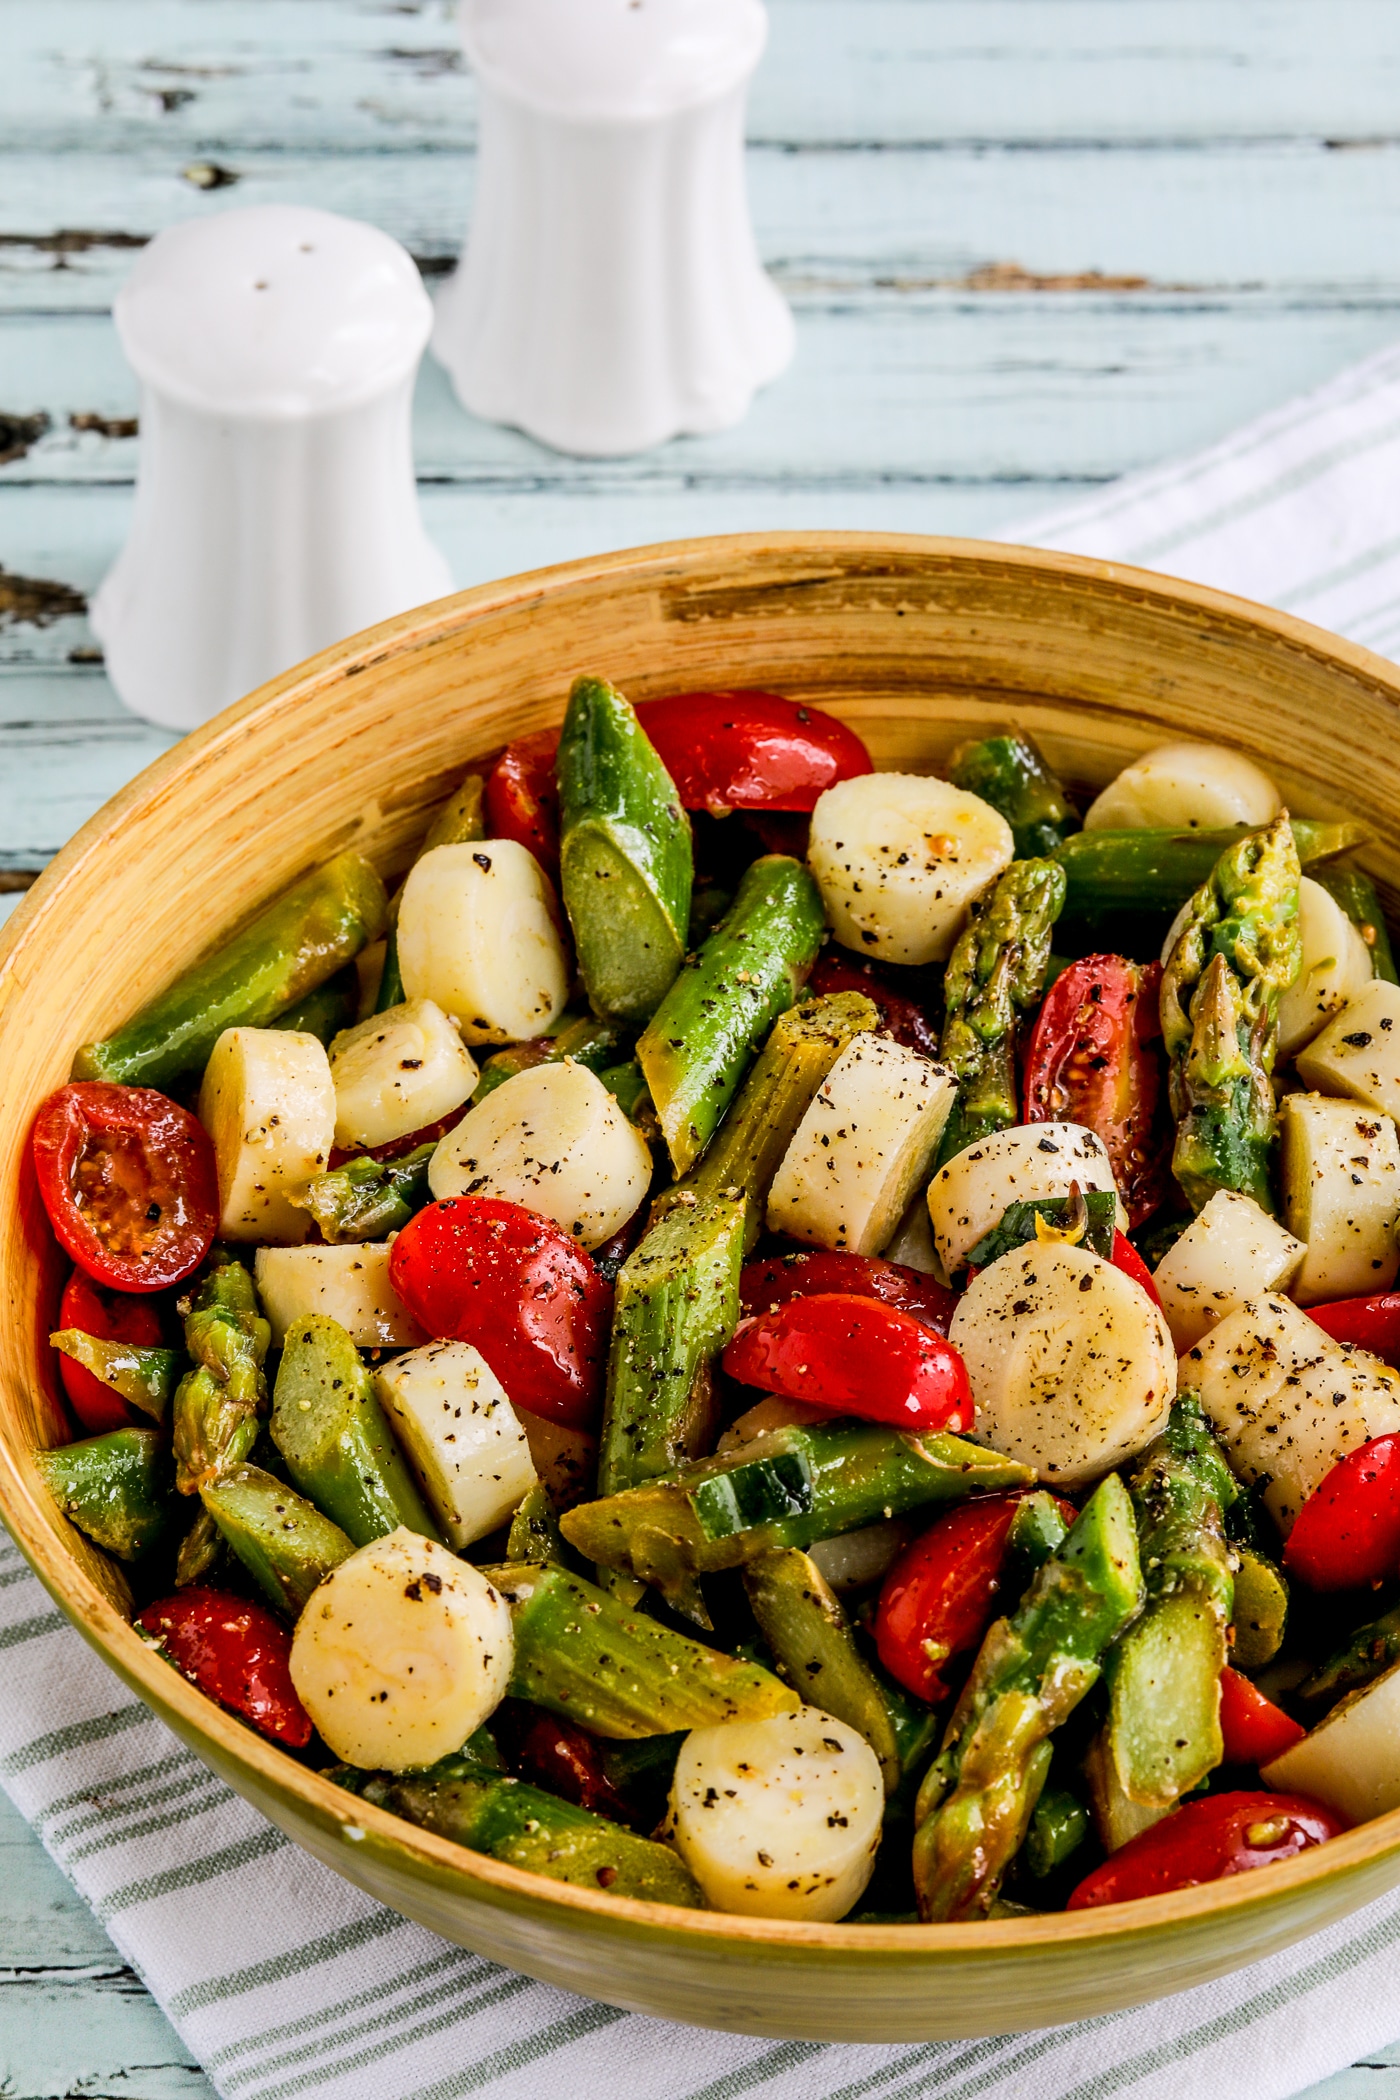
(285, 1981)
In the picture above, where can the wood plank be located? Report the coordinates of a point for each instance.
(208, 76)
(73, 2017)
(887, 388)
(1291, 217)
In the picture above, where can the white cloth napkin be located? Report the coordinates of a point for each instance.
(284, 1980)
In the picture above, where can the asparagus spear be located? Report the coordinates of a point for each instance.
(327, 1009)
(511, 1820)
(1366, 1655)
(145, 1378)
(676, 1306)
(1031, 1671)
(217, 1405)
(391, 986)
(803, 1045)
(1059, 1826)
(1163, 1727)
(582, 1654)
(462, 817)
(1261, 1609)
(995, 973)
(583, 1037)
(1092, 1214)
(1356, 893)
(289, 949)
(625, 857)
(803, 1623)
(367, 1199)
(702, 1036)
(116, 1488)
(534, 1529)
(789, 1488)
(1010, 772)
(1156, 871)
(331, 1430)
(283, 1541)
(1237, 951)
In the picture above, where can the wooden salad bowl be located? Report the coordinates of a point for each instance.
(916, 642)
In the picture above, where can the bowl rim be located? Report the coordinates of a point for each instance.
(232, 1746)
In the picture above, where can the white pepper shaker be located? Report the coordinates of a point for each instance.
(610, 294)
(276, 508)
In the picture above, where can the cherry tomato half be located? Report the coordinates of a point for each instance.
(939, 1597)
(128, 1180)
(1126, 1257)
(113, 1317)
(854, 1356)
(522, 800)
(900, 1016)
(569, 1762)
(750, 750)
(765, 1285)
(1348, 1531)
(1092, 1059)
(1363, 1323)
(1255, 1730)
(237, 1653)
(1207, 1840)
(474, 1269)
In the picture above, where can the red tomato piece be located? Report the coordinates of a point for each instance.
(396, 1148)
(750, 750)
(1126, 1257)
(473, 1269)
(237, 1654)
(939, 1597)
(113, 1317)
(765, 1285)
(1092, 1060)
(128, 1180)
(569, 1762)
(1255, 1730)
(1207, 1840)
(854, 1356)
(1347, 1533)
(1363, 1323)
(900, 1016)
(522, 799)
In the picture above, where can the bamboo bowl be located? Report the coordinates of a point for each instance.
(916, 642)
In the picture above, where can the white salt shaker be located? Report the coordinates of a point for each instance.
(276, 508)
(610, 294)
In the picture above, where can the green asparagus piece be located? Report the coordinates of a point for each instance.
(199, 1549)
(677, 1304)
(584, 1038)
(116, 1488)
(995, 974)
(462, 818)
(286, 952)
(1156, 871)
(702, 1037)
(1261, 1610)
(367, 1199)
(1164, 1677)
(1059, 1826)
(627, 1084)
(789, 1488)
(1038, 1530)
(327, 1009)
(1368, 1653)
(1094, 1213)
(804, 1625)
(1356, 893)
(582, 1654)
(391, 987)
(534, 1529)
(803, 1045)
(217, 1405)
(511, 1820)
(145, 1378)
(283, 1541)
(1031, 1671)
(625, 855)
(331, 1430)
(1237, 951)
(1010, 772)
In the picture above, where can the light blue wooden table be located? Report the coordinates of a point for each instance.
(1030, 243)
